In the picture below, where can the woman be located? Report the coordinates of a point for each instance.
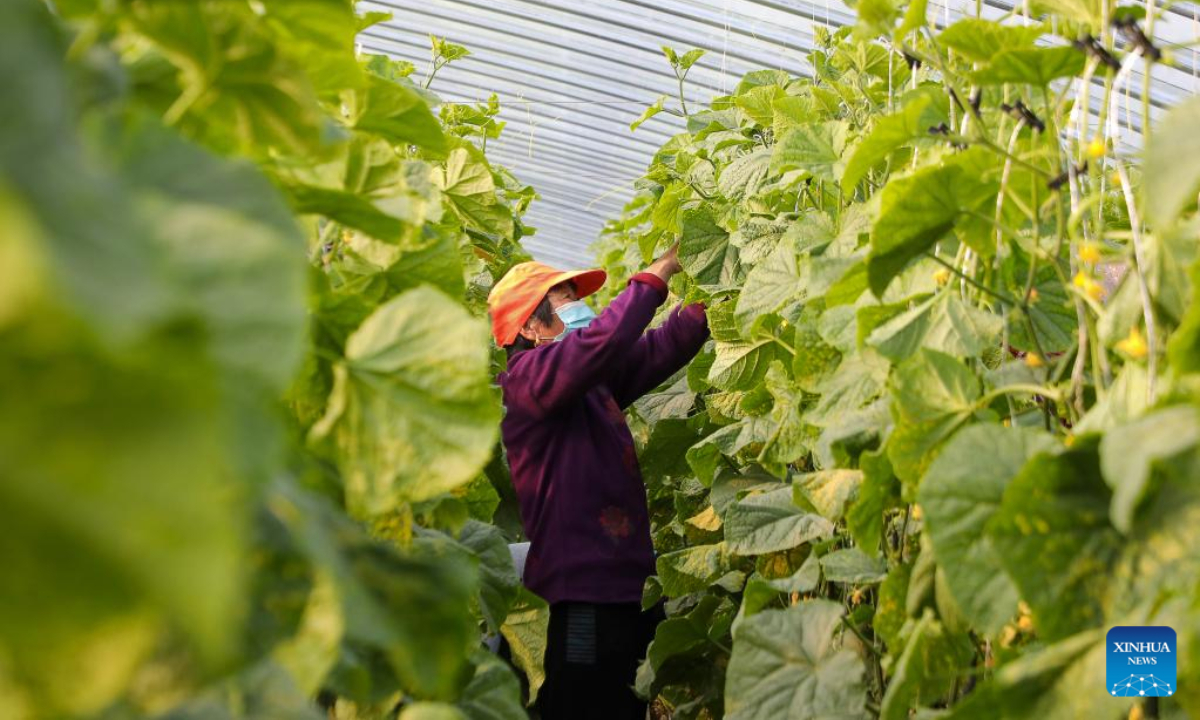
(570, 375)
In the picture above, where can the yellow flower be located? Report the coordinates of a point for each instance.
(942, 276)
(1089, 252)
(1034, 360)
(1134, 345)
(1025, 623)
(1114, 179)
(1033, 295)
(1096, 148)
(1007, 422)
(1090, 287)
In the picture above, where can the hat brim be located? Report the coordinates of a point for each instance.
(587, 282)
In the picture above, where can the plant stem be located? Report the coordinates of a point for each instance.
(972, 281)
(1139, 265)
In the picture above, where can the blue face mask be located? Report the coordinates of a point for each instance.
(575, 315)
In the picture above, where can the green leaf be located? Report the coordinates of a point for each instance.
(923, 109)
(829, 491)
(880, 491)
(411, 413)
(858, 380)
(250, 96)
(1128, 453)
(1052, 535)
(740, 364)
(233, 251)
(1171, 178)
(499, 583)
(1059, 680)
(675, 401)
(1087, 12)
(691, 569)
(818, 148)
(412, 607)
(853, 566)
(690, 57)
(745, 174)
(469, 186)
(786, 663)
(981, 40)
(933, 395)
(875, 17)
(526, 629)
(648, 113)
(959, 494)
(787, 441)
(932, 659)
(349, 209)
(396, 112)
(944, 323)
(704, 248)
(1034, 66)
(919, 209)
(769, 522)
(494, 692)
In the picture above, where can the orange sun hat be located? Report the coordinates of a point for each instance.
(516, 296)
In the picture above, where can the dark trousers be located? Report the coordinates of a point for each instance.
(592, 656)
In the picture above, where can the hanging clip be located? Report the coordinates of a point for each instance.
(1091, 46)
(1132, 32)
(1057, 182)
(1025, 115)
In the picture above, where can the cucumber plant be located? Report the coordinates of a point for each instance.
(946, 431)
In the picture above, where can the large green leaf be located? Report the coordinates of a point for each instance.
(944, 323)
(240, 91)
(526, 630)
(853, 566)
(745, 174)
(499, 584)
(1052, 535)
(394, 112)
(704, 248)
(1128, 453)
(787, 664)
(933, 395)
(1059, 680)
(829, 491)
(960, 493)
(413, 607)
(1171, 175)
(692, 569)
(469, 186)
(411, 413)
(933, 658)
(234, 252)
(494, 692)
(740, 362)
(981, 40)
(769, 522)
(923, 109)
(1033, 66)
(101, 263)
(817, 148)
(879, 492)
(919, 209)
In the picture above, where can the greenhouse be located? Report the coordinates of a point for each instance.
(695, 359)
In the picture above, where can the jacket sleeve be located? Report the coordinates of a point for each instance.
(551, 376)
(660, 353)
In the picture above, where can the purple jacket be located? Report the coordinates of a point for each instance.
(572, 456)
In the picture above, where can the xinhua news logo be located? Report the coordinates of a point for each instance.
(1141, 661)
